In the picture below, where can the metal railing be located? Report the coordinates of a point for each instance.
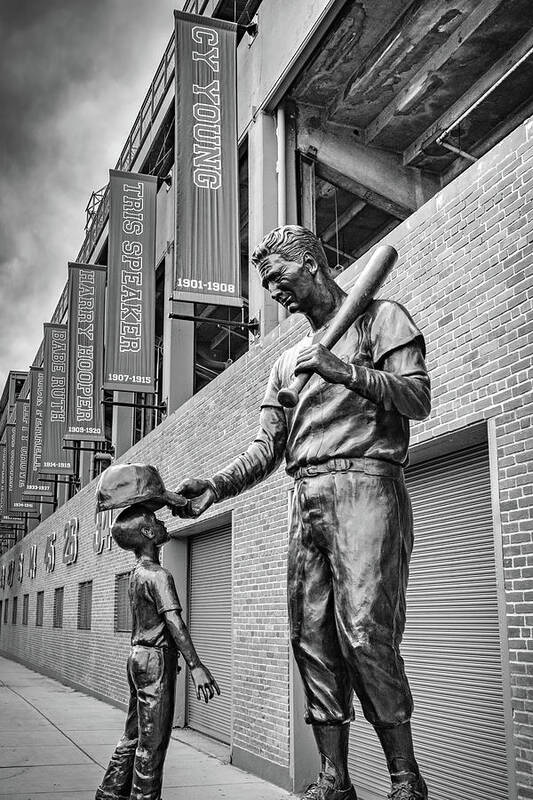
(137, 136)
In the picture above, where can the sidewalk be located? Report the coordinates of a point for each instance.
(55, 743)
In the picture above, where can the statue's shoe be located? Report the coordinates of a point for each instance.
(324, 789)
(409, 790)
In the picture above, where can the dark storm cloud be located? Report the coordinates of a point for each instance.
(73, 75)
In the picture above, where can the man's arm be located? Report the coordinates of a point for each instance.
(203, 680)
(401, 381)
(259, 460)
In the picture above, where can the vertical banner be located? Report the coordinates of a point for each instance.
(35, 486)
(17, 444)
(3, 476)
(130, 312)
(85, 415)
(207, 204)
(55, 460)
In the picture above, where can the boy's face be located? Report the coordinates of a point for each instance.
(161, 533)
(156, 532)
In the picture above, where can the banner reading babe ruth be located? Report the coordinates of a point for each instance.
(207, 207)
(130, 301)
(85, 416)
(36, 486)
(55, 460)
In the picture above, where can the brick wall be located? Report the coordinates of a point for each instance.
(465, 275)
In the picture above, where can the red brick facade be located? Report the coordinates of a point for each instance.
(465, 275)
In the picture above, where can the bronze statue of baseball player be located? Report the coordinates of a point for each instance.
(345, 444)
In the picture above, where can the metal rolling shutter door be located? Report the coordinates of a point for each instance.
(210, 628)
(451, 645)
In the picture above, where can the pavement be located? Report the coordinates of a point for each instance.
(55, 742)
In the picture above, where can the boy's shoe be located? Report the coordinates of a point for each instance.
(325, 789)
(409, 790)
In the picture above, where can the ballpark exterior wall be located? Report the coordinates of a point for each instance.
(465, 275)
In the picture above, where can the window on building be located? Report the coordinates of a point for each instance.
(85, 602)
(0, 614)
(6, 607)
(347, 224)
(25, 607)
(58, 607)
(39, 610)
(122, 602)
(14, 611)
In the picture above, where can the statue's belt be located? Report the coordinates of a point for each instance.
(370, 466)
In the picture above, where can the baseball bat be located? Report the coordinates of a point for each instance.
(357, 300)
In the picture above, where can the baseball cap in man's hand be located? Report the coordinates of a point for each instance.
(123, 485)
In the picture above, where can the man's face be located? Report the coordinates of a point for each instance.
(289, 283)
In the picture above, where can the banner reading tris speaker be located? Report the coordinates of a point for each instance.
(207, 205)
(130, 302)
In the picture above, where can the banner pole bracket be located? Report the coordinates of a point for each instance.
(158, 406)
(253, 325)
(90, 449)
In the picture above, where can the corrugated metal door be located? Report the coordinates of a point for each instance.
(452, 643)
(210, 628)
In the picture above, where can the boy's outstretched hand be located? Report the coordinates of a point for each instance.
(204, 682)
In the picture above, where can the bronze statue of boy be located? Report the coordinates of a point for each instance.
(158, 635)
(345, 444)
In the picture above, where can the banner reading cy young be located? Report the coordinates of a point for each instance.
(35, 485)
(55, 460)
(130, 313)
(85, 417)
(207, 208)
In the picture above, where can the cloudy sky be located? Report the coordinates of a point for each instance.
(73, 74)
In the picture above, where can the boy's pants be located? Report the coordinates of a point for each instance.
(135, 771)
(350, 542)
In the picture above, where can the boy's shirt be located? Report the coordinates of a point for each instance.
(152, 592)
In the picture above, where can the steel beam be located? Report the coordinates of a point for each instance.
(373, 172)
(347, 216)
(469, 99)
(432, 65)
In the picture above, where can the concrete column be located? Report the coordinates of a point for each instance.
(305, 761)
(175, 559)
(122, 436)
(263, 212)
(86, 464)
(178, 346)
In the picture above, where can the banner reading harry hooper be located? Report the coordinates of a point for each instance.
(130, 316)
(55, 460)
(35, 486)
(207, 210)
(85, 417)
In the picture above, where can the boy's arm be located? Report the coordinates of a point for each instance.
(260, 459)
(203, 680)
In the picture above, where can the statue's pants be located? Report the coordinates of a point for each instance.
(135, 771)
(350, 542)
